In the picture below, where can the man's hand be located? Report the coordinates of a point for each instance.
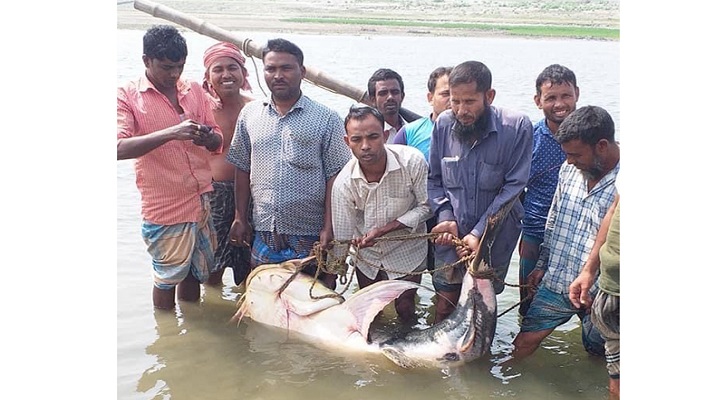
(326, 238)
(470, 245)
(535, 277)
(240, 233)
(448, 230)
(189, 130)
(579, 290)
(207, 138)
(368, 239)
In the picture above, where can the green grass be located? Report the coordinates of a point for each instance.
(578, 32)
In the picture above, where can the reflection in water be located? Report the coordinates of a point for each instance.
(200, 353)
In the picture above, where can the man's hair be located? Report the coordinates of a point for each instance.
(164, 42)
(471, 71)
(589, 124)
(359, 112)
(556, 74)
(437, 73)
(280, 45)
(383, 74)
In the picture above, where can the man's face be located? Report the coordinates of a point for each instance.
(283, 75)
(163, 73)
(557, 101)
(440, 99)
(366, 140)
(388, 97)
(586, 158)
(226, 76)
(468, 104)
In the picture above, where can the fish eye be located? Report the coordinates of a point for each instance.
(451, 357)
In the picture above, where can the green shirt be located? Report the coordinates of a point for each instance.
(609, 258)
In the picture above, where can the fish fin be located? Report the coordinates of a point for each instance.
(399, 358)
(366, 303)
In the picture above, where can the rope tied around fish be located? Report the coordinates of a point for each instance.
(478, 265)
(326, 262)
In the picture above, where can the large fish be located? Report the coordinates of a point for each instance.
(272, 298)
(344, 324)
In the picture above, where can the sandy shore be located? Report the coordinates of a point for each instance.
(274, 15)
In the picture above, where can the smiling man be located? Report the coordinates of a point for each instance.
(480, 156)
(287, 151)
(225, 79)
(556, 96)
(381, 192)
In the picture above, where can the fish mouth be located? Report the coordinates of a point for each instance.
(464, 336)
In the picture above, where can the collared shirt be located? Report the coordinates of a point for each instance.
(391, 129)
(289, 159)
(416, 134)
(468, 183)
(572, 225)
(171, 177)
(358, 206)
(545, 163)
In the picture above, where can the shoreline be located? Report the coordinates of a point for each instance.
(427, 18)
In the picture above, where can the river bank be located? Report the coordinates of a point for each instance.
(471, 18)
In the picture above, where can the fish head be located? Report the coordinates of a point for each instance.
(263, 286)
(462, 337)
(270, 277)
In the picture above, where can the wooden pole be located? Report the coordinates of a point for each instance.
(313, 75)
(249, 48)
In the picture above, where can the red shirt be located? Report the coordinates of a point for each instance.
(173, 176)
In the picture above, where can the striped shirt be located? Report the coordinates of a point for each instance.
(572, 225)
(289, 159)
(171, 177)
(359, 206)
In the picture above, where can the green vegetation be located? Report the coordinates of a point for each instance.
(578, 32)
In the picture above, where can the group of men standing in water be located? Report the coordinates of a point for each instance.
(227, 180)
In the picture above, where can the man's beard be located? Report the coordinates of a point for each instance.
(595, 172)
(466, 134)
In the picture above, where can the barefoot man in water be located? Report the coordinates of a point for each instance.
(224, 80)
(164, 122)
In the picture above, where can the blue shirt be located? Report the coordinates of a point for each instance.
(416, 134)
(289, 159)
(572, 226)
(468, 183)
(545, 163)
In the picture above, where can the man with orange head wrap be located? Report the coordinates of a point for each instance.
(225, 80)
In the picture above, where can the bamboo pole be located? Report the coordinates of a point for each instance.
(313, 75)
(249, 48)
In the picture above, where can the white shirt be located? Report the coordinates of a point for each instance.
(359, 206)
(391, 129)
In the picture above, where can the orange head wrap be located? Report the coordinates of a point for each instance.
(223, 49)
